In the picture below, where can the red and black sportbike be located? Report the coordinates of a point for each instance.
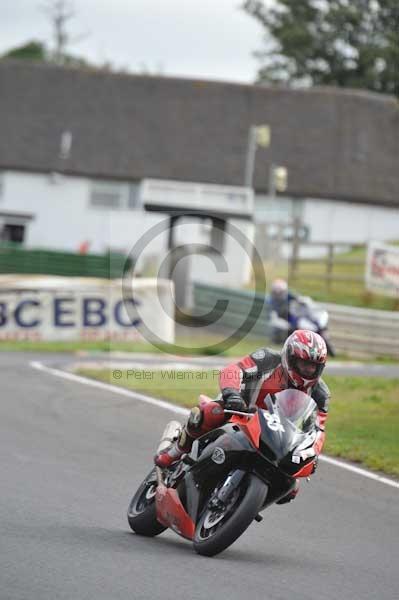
(231, 474)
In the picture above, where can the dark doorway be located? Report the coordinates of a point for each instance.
(13, 233)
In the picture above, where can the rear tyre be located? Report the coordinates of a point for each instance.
(216, 531)
(141, 514)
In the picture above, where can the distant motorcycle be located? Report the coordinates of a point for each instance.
(231, 474)
(303, 313)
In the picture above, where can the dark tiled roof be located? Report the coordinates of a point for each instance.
(335, 143)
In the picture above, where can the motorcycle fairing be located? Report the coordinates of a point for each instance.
(287, 427)
(201, 474)
(306, 470)
(171, 513)
(251, 427)
(230, 438)
(262, 444)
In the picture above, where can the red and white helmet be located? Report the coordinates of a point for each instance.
(304, 357)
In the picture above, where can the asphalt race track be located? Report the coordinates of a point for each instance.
(72, 455)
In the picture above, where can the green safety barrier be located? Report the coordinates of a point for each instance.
(14, 259)
(242, 305)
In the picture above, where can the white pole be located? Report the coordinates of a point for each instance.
(250, 158)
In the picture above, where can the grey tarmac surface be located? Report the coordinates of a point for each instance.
(72, 456)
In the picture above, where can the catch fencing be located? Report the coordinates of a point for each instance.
(231, 308)
(364, 332)
(354, 331)
(14, 259)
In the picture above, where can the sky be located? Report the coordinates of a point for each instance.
(205, 39)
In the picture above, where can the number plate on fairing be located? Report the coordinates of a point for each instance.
(273, 421)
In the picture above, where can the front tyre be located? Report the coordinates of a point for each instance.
(141, 513)
(330, 348)
(216, 530)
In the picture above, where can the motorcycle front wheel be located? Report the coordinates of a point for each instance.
(330, 348)
(217, 529)
(141, 514)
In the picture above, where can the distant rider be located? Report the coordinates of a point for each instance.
(279, 301)
(247, 383)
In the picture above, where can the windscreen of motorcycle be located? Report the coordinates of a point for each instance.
(287, 419)
(299, 408)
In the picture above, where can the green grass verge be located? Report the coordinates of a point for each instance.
(180, 387)
(203, 346)
(99, 346)
(241, 348)
(363, 424)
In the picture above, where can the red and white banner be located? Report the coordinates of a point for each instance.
(382, 269)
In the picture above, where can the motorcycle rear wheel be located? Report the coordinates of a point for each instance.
(141, 514)
(216, 532)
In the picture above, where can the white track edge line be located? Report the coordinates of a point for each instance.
(183, 411)
(109, 387)
(360, 471)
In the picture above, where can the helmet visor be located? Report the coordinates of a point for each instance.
(308, 369)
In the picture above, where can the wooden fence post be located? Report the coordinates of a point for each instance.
(330, 265)
(295, 249)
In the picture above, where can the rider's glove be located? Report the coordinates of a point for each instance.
(234, 401)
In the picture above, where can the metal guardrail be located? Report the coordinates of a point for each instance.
(231, 307)
(365, 332)
(354, 331)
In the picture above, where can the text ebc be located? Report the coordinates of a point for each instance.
(95, 312)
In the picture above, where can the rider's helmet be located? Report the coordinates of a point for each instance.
(279, 289)
(304, 357)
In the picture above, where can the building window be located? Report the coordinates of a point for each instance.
(108, 195)
(12, 233)
(13, 227)
(274, 210)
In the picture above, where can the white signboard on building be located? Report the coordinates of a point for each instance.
(70, 309)
(382, 269)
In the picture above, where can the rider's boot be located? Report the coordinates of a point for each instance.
(201, 419)
(175, 451)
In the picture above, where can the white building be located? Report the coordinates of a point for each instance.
(79, 214)
(76, 147)
(324, 221)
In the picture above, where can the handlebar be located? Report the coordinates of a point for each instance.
(249, 413)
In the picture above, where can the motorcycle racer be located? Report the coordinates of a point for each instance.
(245, 384)
(279, 301)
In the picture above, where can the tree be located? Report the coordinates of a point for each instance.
(33, 50)
(59, 13)
(348, 43)
(37, 52)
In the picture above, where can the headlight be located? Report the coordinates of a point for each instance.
(323, 319)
